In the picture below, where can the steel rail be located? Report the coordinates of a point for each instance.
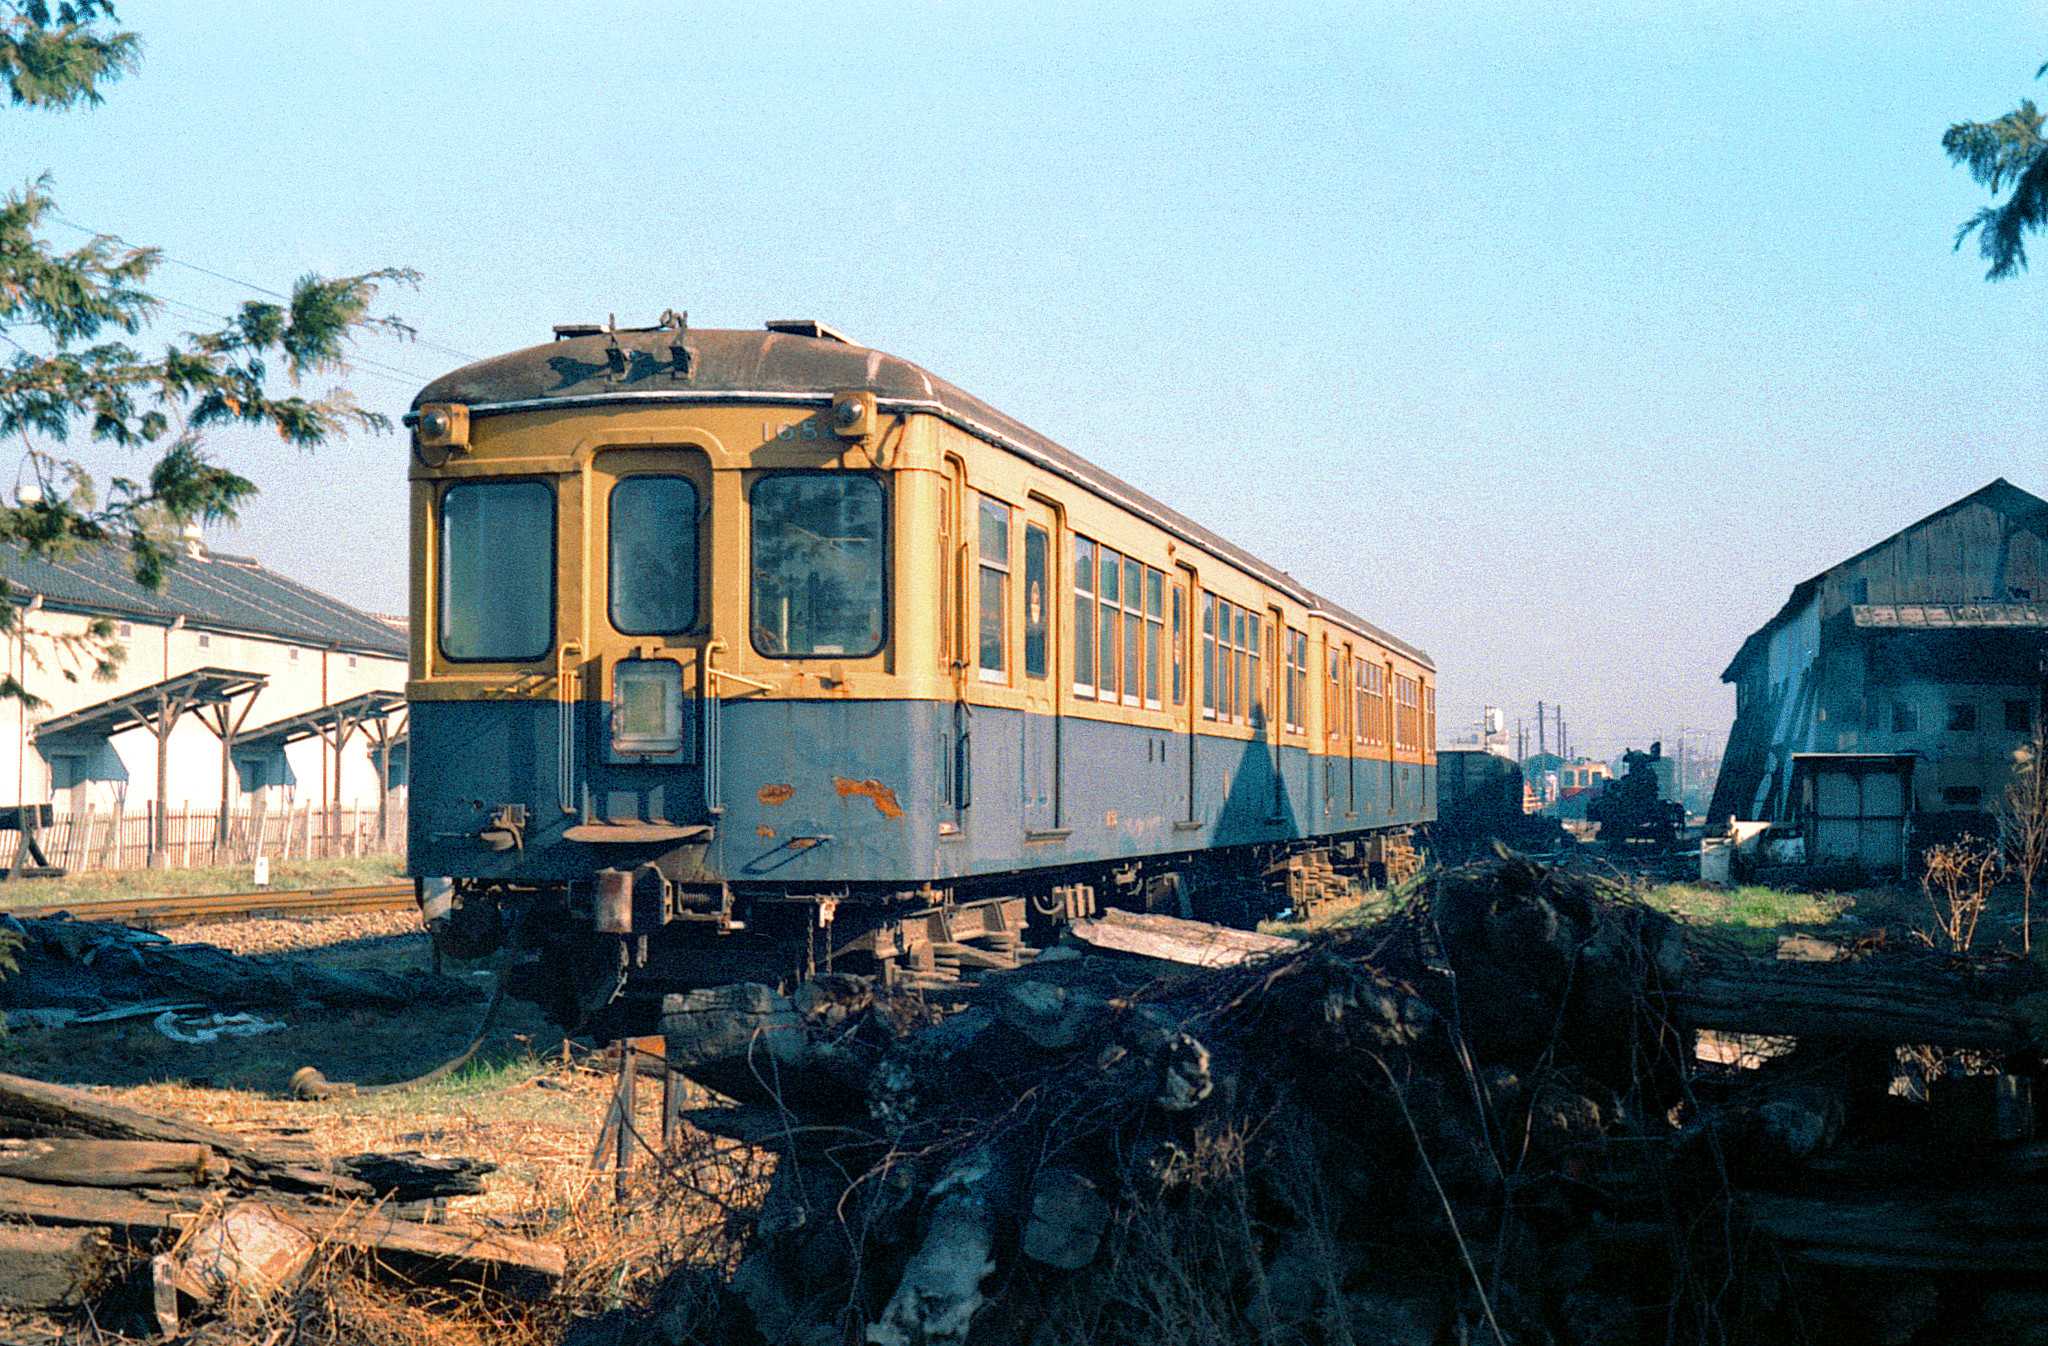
(155, 913)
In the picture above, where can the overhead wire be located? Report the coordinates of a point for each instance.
(378, 368)
(262, 290)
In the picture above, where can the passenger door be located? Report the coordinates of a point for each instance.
(646, 616)
(1040, 603)
(1187, 592)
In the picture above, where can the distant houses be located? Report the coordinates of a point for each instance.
(245, 699)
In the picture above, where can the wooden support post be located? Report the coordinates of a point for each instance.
(622, 1154)
(671, 1103)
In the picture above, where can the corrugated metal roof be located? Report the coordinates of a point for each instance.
(784, 366)
(212, 592)
(1998, 494)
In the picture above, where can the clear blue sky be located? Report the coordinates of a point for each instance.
(1562, 340)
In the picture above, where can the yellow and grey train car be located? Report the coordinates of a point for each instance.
(736, 653)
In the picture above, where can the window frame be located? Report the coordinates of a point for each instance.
(441, 593)
(1154, 620)
(1296, 721)
(985, 506)
(611, 532)
(1038, 628)
(1210, 685)
(1082, 568)
(884, 544)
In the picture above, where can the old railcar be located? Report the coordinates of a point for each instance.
(739, 653)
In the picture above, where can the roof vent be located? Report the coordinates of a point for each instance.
(812, 328)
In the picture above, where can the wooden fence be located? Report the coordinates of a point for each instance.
(193, 837)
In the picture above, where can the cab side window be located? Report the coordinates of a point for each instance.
(497, 567)
(818, 555)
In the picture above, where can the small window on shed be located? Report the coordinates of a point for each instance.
(1962, 717)
(1962, 796)
(2019, 717)
(1905, 720)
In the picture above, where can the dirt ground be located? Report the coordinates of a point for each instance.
(526, 1104)
(367, 1046)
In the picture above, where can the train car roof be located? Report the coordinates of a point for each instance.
(803, 364)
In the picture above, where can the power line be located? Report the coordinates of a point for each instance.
(404, 377)
(245, 284)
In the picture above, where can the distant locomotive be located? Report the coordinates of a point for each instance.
(742, 654)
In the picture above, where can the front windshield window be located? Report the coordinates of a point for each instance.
(817, 565)
(497, 571)
(654, 555)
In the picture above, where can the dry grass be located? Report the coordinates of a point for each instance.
(285, 875)
(664, 1247)
(677, 1228)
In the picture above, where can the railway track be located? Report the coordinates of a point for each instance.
(157, 913)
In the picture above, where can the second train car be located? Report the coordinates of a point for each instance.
(741, 654)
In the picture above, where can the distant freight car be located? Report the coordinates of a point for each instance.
(746, 654)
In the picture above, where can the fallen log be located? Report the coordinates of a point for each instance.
(112, 1163)
(48, 1204)
(521, 1264)
(2003, 1228)
(45, 1268)
(34, 1108)
(412, 1176)
(1169, 939)
(1869, 1001)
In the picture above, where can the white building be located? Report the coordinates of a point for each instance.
(305, 693)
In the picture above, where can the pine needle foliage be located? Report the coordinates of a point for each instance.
(57, 58)
(71, 363)
(2004, 153)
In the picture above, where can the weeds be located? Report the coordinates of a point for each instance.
(2022, 812)
(1958, 881)
(1750, 914)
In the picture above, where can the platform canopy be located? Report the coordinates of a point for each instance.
(158, 707)
(379, 714)
(336, 718)
(146, 707)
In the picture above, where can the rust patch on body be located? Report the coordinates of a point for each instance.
(779, 794)
(764, 830)
(884, 797)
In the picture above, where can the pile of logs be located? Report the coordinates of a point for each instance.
(1489, 1118)
(89, 1188)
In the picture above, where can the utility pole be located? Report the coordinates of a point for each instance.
(1542, 743)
